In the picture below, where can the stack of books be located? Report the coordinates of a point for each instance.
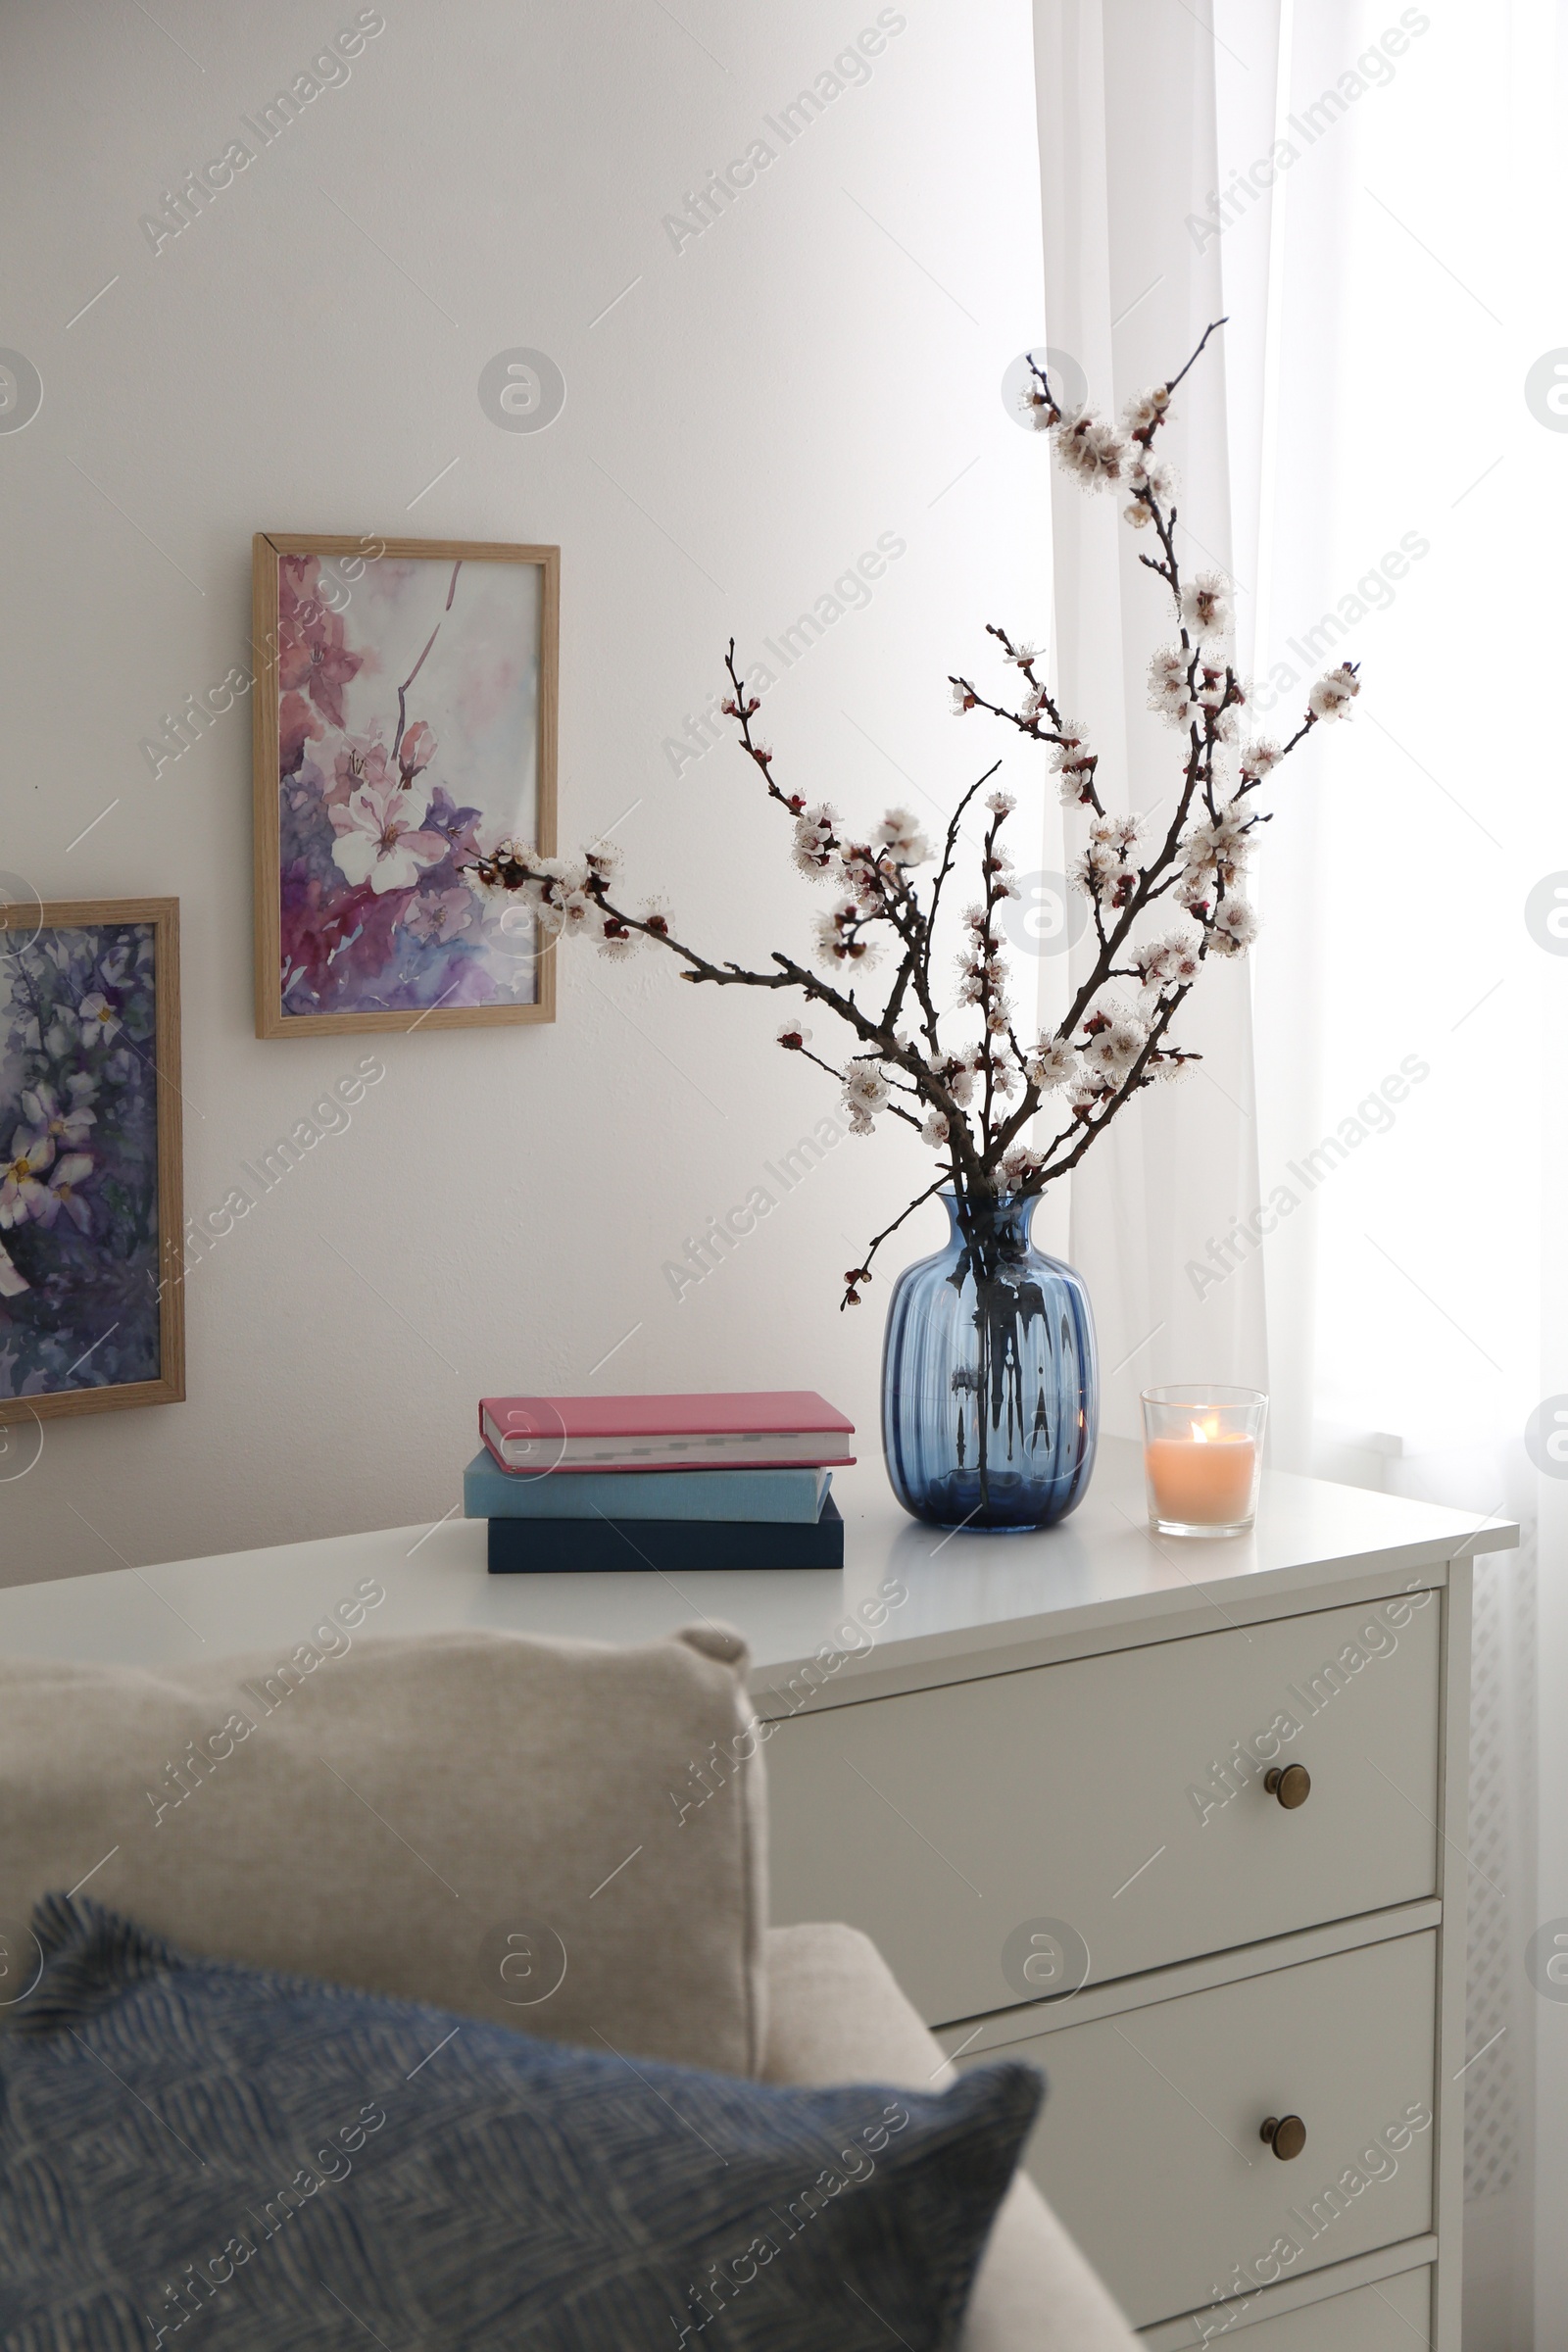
(671, 1483)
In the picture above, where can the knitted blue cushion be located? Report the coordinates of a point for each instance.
(225, 2157)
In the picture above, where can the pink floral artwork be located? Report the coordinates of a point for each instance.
(409, 734)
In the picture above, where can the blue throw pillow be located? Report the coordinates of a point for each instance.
(225, 2157)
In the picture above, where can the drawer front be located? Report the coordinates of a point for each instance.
(1370, 2319)
(1147, 2143)
(1121, 1795)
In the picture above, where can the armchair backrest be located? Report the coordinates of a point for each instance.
(564, 1835)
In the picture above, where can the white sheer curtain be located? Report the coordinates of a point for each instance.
(1371, 191)
(1126, 100)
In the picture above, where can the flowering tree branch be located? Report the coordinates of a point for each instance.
(967, 1081)
(403, 715)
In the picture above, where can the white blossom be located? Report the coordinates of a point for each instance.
(794, 1035)
(814, 828)
(1152, 476)
(1172, 961)
(1118, 1038)
(935, 1130)
(866, 1085)
(900, 834)
(1074, 762)
(1261, 759)
(1206, 606)
(962, 699)
(854, 871)
(1078, 782)
(616, 942)
(1101, 875)
(997, 867)
(1145, 409)
(1092, 450)
(840, 938)
(1105, 870)
(1334, 693)
(1235, 927)
(1203, 878)
(1023, 655)
(1168, 690)
(1072, 740)
(1118, 833)
(1053, 1064)
(829, 938)
(1018, 1164)
(1001, 803)
(865, 1091)
(571, 873)
(1221, 845)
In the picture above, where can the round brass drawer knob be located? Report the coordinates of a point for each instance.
(1286, 2134)
(1293, 1787)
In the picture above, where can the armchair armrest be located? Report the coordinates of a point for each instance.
(836, 2014)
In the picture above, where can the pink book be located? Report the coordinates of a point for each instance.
(770, 1429)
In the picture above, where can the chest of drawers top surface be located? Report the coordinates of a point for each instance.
(911, 1604)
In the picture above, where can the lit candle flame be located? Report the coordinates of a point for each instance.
(1203, 1431)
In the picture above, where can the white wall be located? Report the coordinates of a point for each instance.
(814, 370)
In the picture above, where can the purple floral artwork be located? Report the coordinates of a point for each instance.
(78, 1161)
(408, 749)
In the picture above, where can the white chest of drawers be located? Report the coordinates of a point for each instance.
(1035, 1770)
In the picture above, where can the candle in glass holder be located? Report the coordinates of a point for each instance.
(1202, 1451)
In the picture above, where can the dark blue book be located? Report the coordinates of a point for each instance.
(547, 1547)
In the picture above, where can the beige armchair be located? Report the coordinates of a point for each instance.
(488, 1823)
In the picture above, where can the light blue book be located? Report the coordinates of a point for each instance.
(781, 1496)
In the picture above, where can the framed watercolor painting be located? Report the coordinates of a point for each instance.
(91, 1225)
(405, 725)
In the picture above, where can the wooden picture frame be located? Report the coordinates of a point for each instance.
(328, 684)
(100, 1084)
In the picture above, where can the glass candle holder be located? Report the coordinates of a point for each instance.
(1203, 1456)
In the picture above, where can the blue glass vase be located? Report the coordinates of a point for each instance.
(990, 1387)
